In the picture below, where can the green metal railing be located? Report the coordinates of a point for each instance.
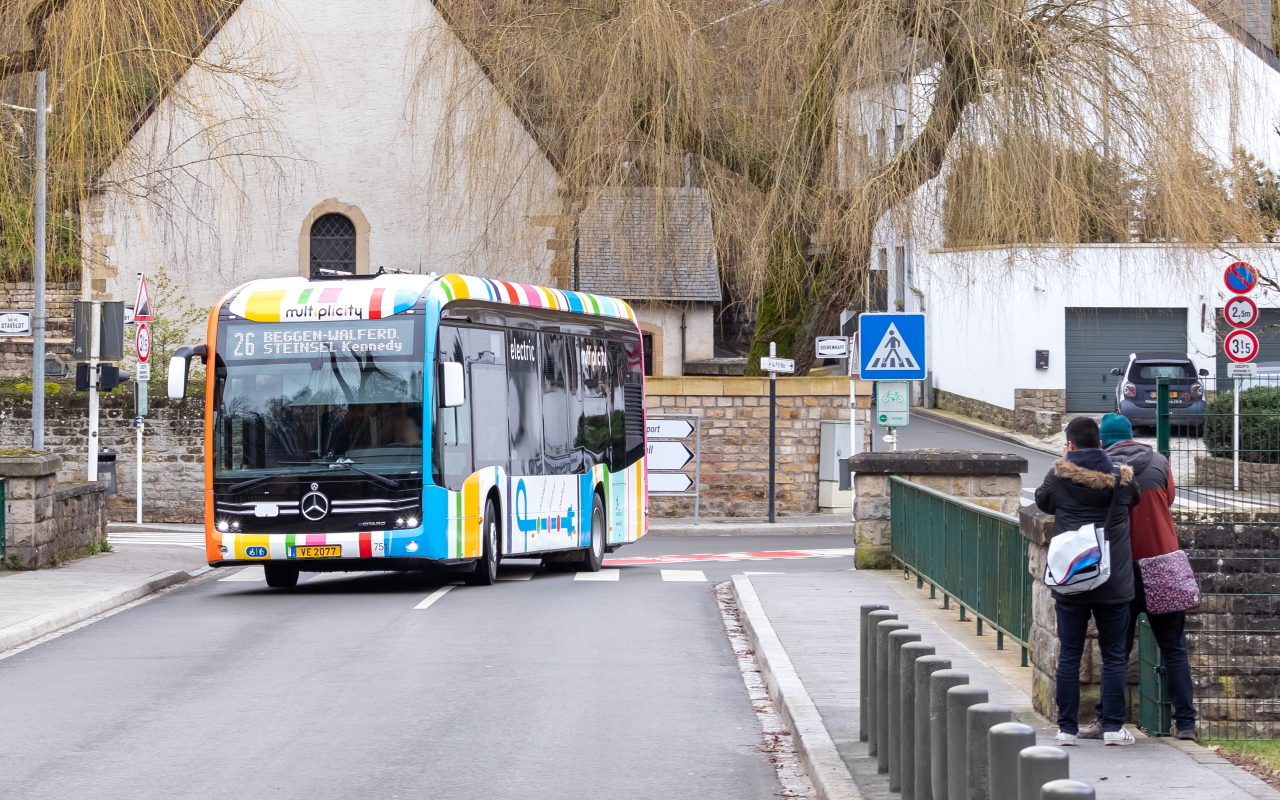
(970, 553)
(1155, 715)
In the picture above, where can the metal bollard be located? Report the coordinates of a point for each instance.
(883, 630)
(1038, 766)
(1004, 742)
(922, 787)
(959, 698)
(907, 657)
(869, 688)
(1066, 790)
(896, 641)
(982, 718)
(867, 608)
(940, 683)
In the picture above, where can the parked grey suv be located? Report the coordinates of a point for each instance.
(1136, 388)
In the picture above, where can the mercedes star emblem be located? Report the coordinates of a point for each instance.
(314, 506)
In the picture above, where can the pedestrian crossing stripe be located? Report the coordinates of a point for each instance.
(892, 352)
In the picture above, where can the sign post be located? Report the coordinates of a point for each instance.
(773, 365)
(142, 315)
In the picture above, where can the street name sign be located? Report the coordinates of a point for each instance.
(1240, 345)
(668, 428)
(1246, 370)
(775, 364)
(1240, 278)
(831, 347)
(892, 347)
(1240, 312)
(15, 323)
(668, 456)
(675, 482)
(893, 403)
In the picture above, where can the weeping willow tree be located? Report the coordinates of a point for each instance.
(107, 61)
(783, 112)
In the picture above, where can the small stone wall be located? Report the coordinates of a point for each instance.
(734, 415)
(1038, 412)
(991, 480)
(45, 522)
(1220, 472)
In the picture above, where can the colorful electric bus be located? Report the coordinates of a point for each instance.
(391, 422)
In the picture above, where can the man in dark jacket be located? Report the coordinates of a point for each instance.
(1151, 533)
(1083, 488)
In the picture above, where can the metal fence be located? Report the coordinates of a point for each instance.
(1229, 457)
(970, 553)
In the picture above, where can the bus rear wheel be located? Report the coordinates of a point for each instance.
(593, 558)
(486, 572)
(281, 576)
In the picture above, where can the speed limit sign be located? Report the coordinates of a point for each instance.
(1240, 346)
(142, 342)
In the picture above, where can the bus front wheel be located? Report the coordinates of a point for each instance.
(593, 558)
(281, 576)
(486, 572)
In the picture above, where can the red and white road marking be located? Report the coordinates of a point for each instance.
(766, 555)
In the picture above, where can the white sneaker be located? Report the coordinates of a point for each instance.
(1119, 738)
(1064, 739)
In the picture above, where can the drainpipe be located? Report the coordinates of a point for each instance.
(682, 348)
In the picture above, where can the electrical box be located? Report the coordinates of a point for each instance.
(1042, 359)
(833, 448)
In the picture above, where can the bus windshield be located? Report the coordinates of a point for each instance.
(299, 397)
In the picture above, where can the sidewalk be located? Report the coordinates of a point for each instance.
(39, 602)
(816, 616)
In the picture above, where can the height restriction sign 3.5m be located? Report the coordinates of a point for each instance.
(891, 347)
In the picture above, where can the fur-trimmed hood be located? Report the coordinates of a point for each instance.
(1089, 478)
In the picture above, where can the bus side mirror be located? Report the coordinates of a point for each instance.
(452, 391)
(180, 366)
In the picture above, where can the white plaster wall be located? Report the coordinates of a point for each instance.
(699, 333)
(216, 184)
(991, 309)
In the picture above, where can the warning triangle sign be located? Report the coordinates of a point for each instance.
(142, 305)
(892, 352)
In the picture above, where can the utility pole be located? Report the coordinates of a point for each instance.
(38, 313)
(95, 350)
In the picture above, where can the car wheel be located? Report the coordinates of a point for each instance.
(593, 558)
(281, 576)
(486, 571)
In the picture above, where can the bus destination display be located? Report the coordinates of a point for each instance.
(388, 338)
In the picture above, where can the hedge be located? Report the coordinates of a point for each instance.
(1259, 425)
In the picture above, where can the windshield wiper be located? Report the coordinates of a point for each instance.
(340, 462)
(242, 485)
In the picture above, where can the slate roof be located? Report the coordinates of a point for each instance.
(648, 244)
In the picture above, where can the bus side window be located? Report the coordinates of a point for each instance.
(592, 425)
(617, 407)
(524, 402)
(559, 398)
(451, 458)
(633, 393)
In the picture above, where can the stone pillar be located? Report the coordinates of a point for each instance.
(43, 521)
(991, 480)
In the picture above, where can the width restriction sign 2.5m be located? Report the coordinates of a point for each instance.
(1240, 312)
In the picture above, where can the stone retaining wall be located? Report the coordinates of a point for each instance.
(45, 522)
(15, 352)
(1038, 412)
(734, 414)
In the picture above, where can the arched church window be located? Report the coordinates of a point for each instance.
(333, 245)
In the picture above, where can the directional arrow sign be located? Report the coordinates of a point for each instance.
(667, 428)
(669, 482)
(668, 456)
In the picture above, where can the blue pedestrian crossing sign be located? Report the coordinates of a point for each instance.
(891, 347)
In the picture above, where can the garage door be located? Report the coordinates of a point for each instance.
(1101, 339)
(1267, 329)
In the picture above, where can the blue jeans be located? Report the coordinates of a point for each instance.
(1112, 622)
(1170, 633)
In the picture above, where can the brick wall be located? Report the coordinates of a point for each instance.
(734, 414)
(15, 352)
(173, 460)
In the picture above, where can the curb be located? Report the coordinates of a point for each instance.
(56, 620)
(930, 414)
(752, 529)
(831, 778)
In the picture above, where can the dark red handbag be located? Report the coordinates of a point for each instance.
(1169, 582)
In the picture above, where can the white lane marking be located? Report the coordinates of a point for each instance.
(683, 575)
(254, 573)
(516, 576)
(602, 575)
(434, 596)
(764, 573)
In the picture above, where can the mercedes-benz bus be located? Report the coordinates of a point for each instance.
(392, 422)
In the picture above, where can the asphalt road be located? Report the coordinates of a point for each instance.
(924, 433)
(548, 687)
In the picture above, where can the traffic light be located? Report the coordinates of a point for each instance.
(110, 376)
(83, 381)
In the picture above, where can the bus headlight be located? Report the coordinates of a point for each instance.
(223, 526)
(411, 522)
